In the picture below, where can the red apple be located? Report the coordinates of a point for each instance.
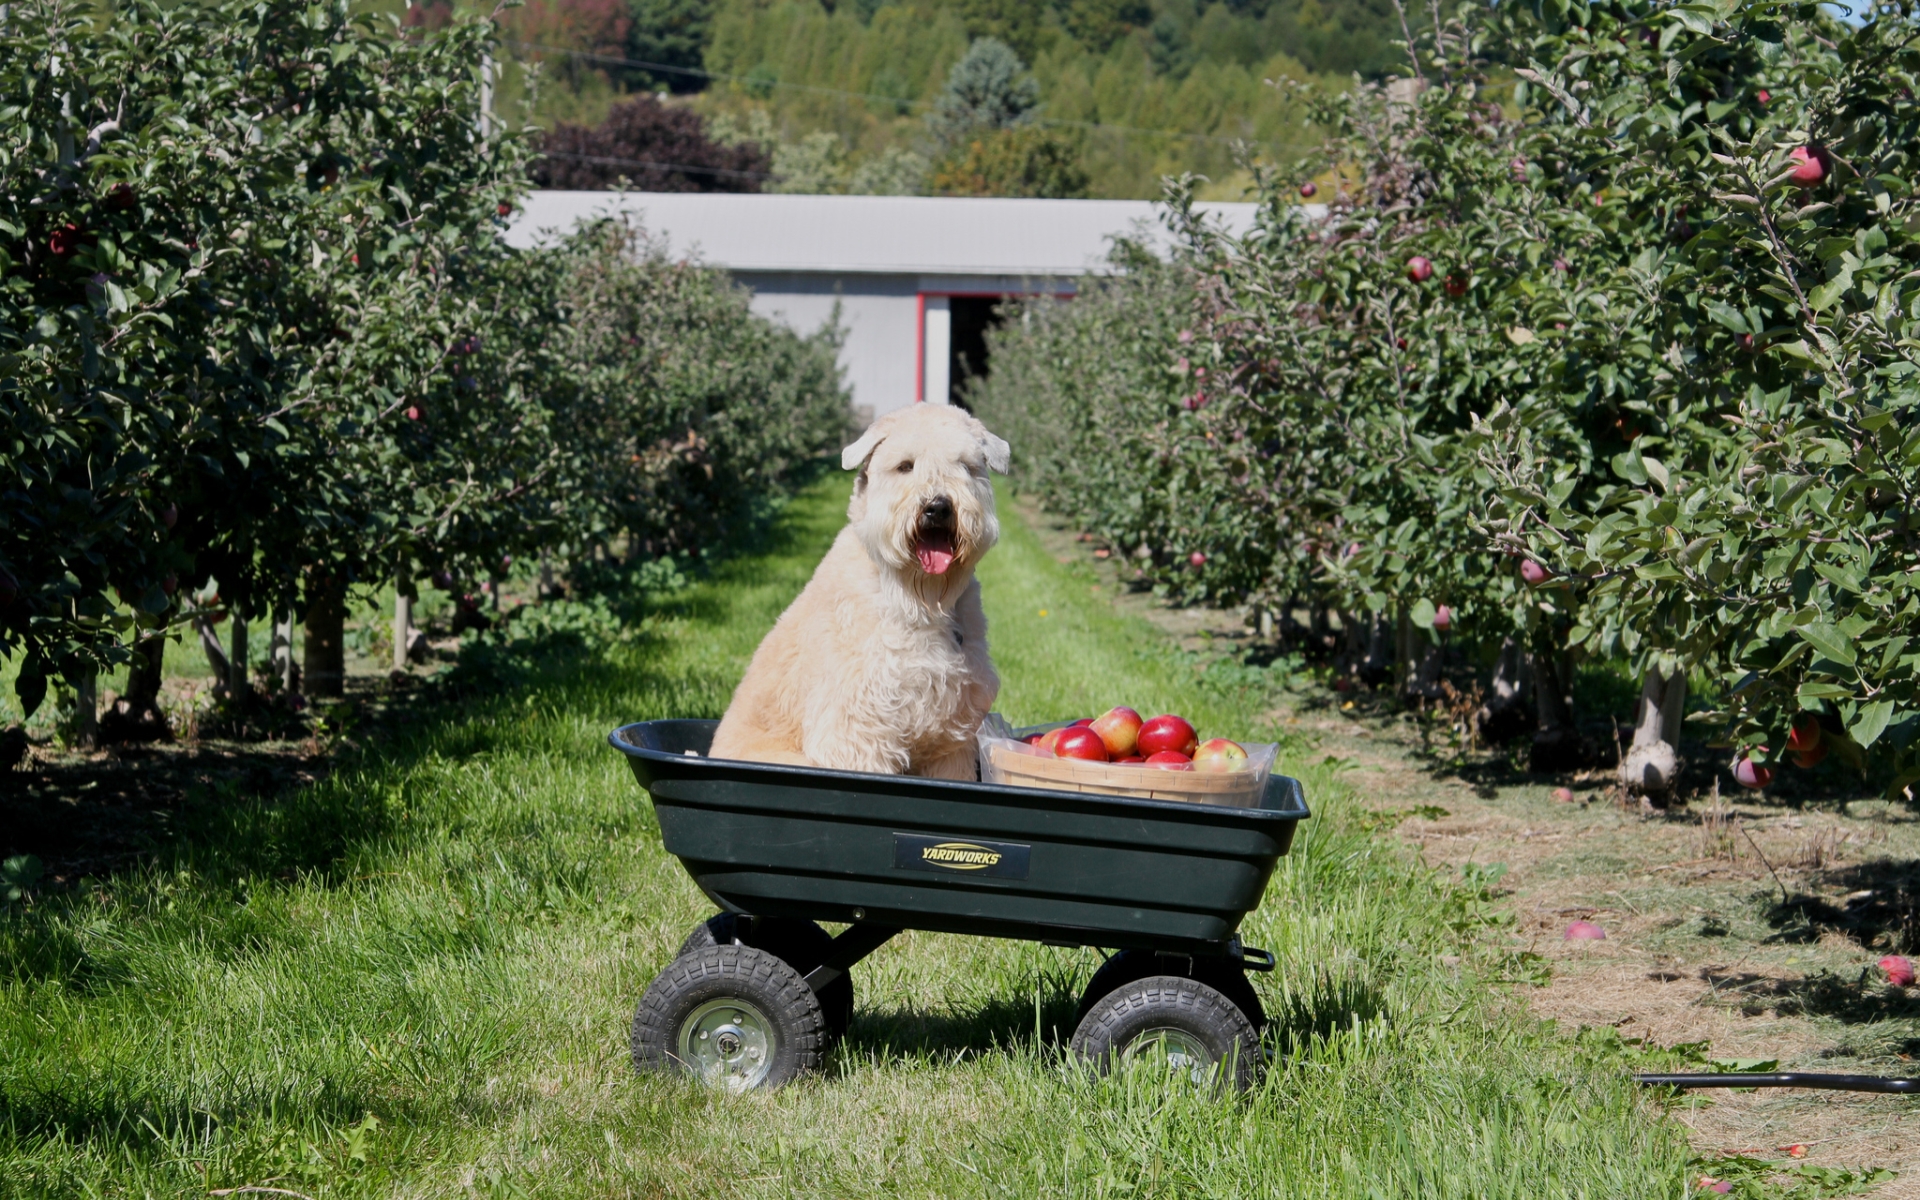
(64, 241)
(1443, 618)
(1307, 189)
(1082, 723)
(1049, 738)
(1419, 269)
(1077, 741)
(121, 198)
(1805, 734)
(169, 515)
(1899, 970)
(1585, 931)
(1750, 774)
(1519, 168)
(1456, 286)
(1197, 559)
(1167, 733)
(1400, 343)
(170, 583)
(1130, 760)
(1170, 760)
(1563, 795)
(504, 209)
(1762, 96)
(1806, 760)
(413, 412)
(1534, 573)
(1562, 265)
(1745, 341)
(1119, 728)
(1809, 165)
(1219, 754)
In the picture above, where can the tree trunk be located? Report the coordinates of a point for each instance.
(1652, 763)
(402, 628)
(1377, 667)
(546, 576)
(281, 650)
(1509, 710)
(216, 657)
(86, 711)
(1556, 742)
(136, 716)
(326, 656)
(237, 682)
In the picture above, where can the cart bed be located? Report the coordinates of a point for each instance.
(956, 857)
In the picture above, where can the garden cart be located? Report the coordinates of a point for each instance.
(759, 992)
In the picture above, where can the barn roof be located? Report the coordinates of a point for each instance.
(872, 234)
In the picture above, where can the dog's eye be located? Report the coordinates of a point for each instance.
(905, 467)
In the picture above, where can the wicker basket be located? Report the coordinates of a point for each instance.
(1018, 765)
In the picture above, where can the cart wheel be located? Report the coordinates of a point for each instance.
(733, 1017)
(801, 943)
(1223, 975)
(1175, 1024)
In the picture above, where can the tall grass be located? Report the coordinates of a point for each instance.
(415, 978)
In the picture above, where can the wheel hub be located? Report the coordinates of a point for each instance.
(728, 1043)
(1175, 1051)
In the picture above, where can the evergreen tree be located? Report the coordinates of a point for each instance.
(987, 90)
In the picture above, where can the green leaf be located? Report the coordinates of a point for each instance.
(1871, 721)
(1829, 641)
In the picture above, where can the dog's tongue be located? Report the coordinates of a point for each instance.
(935, 556)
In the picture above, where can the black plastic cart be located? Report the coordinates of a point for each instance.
(758, 993)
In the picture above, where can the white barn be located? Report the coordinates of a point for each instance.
(917, 277)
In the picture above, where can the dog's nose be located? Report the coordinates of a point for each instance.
(939, 511)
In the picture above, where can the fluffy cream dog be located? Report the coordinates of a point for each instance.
(881, 664)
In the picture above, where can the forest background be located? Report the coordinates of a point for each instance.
(838, 93)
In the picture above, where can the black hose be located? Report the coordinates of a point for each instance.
(1788, 1079)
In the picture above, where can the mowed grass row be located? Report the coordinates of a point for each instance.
(416, 978)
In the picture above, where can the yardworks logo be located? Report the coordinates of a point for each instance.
(961, 856)
(944, 854)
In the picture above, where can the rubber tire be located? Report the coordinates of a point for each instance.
(732, 972)
(801, 943)
(1160, 1001)
(1222, 974)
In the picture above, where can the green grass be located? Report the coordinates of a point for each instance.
(415, 978)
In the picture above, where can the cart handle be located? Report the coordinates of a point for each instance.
(1253, 959)
(1789, 1079)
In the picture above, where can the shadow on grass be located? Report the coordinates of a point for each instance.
(1001, 1023)
(1881, 910)
(1855, 1001)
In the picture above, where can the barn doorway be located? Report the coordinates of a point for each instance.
(973, 316)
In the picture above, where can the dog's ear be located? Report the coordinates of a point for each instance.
(999, 454)
(855, 456)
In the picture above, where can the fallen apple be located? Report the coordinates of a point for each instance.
(1563, 795)
(1219, 754)
(1585, 931)
(1077, 741)
(1750, 774)
(1170, 760)
(1167, 733)
(1419, 269)
(1899, 970)
(1119, 728)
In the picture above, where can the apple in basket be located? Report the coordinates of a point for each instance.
(1077, 741)
(1119, 728)
(1170, 760)
(1219, 754)
(1167, 733)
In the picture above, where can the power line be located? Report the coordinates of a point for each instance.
(697, 73)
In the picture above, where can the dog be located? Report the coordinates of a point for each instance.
(881, 664)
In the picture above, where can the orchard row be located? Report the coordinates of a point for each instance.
(260, 334)
(1605, 347)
